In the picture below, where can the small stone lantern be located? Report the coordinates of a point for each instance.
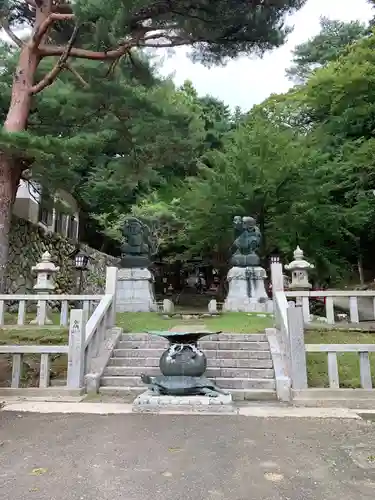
(299, 268)
(45, 284)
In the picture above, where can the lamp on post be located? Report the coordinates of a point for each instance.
(81, 260)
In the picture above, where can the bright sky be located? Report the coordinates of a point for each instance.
(246, 81)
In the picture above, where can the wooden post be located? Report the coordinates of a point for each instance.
(353, 309)
(306, 309)
(365, 370)
(297, 348)
(330, 312)
(44, 374)
(76, 354)
(333, 371)
(2, 311)
(277, 277)
(110, 289)
(16, 370)
(21, 312)
(64, 315)
(42, 312)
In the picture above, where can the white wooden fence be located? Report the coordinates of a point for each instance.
(291, 338)
(329, 299)
(87, 335)
(88, 303)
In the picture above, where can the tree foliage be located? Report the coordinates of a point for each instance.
(303, 164)
(62, 32)
(332, 41)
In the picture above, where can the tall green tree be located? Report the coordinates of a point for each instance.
(332, 41)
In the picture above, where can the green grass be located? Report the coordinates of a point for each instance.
(228, 322)
(11, 318)
(348, 363)
(34, 335)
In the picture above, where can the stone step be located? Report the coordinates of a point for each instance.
(232, 337)
(130, 393)
(225, 383)
(136, 371)
(205, 346)
(210, 353)
(211, 362)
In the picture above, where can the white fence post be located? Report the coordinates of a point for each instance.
(76, 354)
(110, 288)
(297, 348)
(277, 277)
(277, 281)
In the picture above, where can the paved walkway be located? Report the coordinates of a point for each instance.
(138, 457)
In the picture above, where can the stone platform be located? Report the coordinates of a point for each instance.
(135, 291)
(148, 402)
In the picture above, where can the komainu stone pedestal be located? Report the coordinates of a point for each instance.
(135, 290)
(149, 402)
(247, 292)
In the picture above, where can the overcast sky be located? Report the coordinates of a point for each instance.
(245, 81)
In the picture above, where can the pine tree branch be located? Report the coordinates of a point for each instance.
(5, 25)
(76, 74)
(57, 50)
(59, 66)
(113, 65)
(45, 25)
(62, 8)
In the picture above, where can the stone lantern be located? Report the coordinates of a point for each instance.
(45, 284)
(299, 268)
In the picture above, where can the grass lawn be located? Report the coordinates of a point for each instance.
(33, 335)
(228, 322)
(348, 363)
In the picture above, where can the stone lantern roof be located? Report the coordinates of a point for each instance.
(45, 265)
(299, 263)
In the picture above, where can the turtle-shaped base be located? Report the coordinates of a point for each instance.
(182, 386)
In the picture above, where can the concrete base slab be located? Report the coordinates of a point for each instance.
(259, 411)
(153, 403)
(335, 398)
(48, 394)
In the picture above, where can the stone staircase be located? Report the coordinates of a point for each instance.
(241, 363)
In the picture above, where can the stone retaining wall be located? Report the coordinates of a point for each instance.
(27, 244)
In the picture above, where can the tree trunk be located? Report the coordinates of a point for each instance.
(360, 270)
(10, 170)
(9, 179)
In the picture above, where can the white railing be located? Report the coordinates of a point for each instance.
(45, 351)
(41, 319)
(96, 330)
(302, 393)
(362, 350)
(281, 319)
(72, 350)
(86, 339)
(341, 299)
